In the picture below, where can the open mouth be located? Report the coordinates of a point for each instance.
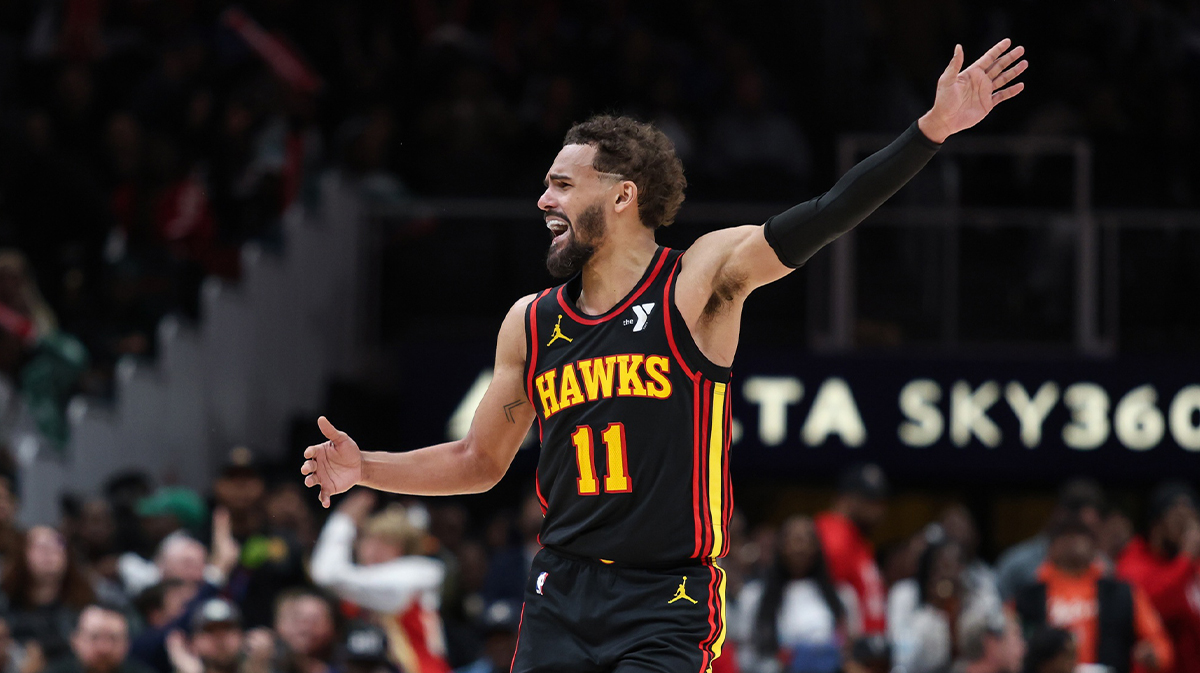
(557, 226)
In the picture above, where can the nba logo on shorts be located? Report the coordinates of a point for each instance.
(541, 582)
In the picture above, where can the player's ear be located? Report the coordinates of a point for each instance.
(626, 196)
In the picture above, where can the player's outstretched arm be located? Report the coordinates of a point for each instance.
(470, 465)
(739, 259)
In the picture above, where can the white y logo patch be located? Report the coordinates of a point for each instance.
(642, 311)
(541, 582)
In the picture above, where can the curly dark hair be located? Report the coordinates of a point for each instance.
(640, 153)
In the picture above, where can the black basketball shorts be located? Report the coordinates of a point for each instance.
(585, 616)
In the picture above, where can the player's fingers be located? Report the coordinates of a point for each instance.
(312, 451)
(956, 61)
(1004, 61)
(1009, 75)
(324, 498)
(308, 467)
(331, 433)
(989, 57)
(311, 480)
(1004, 94)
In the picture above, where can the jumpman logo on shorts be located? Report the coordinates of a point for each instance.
(681, 593)
(557, 333)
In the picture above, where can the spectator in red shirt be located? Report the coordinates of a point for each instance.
(1165, 565)
(858, 509)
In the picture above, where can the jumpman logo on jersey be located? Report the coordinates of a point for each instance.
(681, 593)
(557, 333)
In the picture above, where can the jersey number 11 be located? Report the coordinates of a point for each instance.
(617, 480)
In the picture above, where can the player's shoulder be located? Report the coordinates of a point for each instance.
(511, 339)
(521, 304)
(516, 313)
(715, 245)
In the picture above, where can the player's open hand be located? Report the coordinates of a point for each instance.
(335, 466)
(965, 97)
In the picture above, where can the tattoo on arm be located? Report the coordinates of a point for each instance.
(508, 409)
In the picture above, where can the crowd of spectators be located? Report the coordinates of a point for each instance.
(142, 143)
(254, 578)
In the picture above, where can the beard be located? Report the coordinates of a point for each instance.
(568, 257)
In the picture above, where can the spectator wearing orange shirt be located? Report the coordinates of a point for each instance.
(1114, 623)
(1165, 565)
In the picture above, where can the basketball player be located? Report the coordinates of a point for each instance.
(625, 367)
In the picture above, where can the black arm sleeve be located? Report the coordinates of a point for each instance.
(800, 231)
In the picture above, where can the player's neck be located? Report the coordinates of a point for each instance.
(612, 272)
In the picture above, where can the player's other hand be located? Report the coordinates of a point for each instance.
(965, 97)
(335, 466)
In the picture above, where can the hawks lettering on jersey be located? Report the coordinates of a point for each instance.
(635, 376)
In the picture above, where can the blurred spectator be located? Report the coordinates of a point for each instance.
(124, 490)
(500, 623)
(462, 600)
(180, 556)
(959, 526)
(1018, 567)
(845, 529)
(305, 623)
(162, 603)
(1050, 650)
(797, 619)
(18, 657)
(287, 511)
(508, 569)
(272, 560)
(1166, 565)
(365, 651)
(898, 561)
(47, 363)
(240, 488)
(45, 590)
(923, 612)
(12, 539)
(90, 533)
(219, 645)
(1113, 623)
(402, 589)
(162, 518)
(989, 641)
(1116, 533)
(99, 644)
(186, 584)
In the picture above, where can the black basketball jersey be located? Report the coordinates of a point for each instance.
(634, 426)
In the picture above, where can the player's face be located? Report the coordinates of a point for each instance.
(574, 214)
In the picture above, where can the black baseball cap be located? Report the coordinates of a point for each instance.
(865, 479)
(1082, 493)
(216, 611)
(241, 465)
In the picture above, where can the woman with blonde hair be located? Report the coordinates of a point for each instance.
(390, 582)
